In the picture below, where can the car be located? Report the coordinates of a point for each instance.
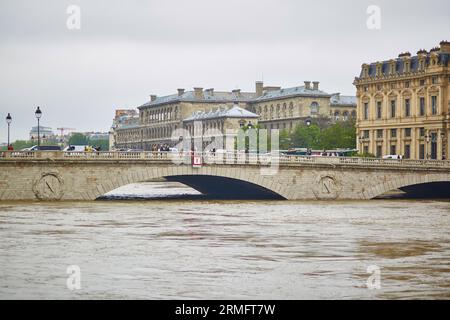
(73, 148)
(43, 148)
(393, 156)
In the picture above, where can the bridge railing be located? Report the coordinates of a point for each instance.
(220, 158)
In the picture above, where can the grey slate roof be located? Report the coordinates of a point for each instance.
(234, 112)
(189, 96)
(291, 92)
(220, 96)
(339, 100)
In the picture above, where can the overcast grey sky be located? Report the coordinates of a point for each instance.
(127, 50)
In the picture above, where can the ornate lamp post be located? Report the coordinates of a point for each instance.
(308, 122)
(8, 121)
(444, 145)
(38, 114)
(427, 139)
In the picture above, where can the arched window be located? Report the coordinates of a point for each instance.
(345, 116)
(337, 115)
(314, 108)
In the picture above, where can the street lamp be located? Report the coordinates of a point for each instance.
(38, 114)
(8, 121)
(308, 122)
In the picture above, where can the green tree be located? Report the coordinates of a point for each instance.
(306, 136)
(339, 135)
(78, 139)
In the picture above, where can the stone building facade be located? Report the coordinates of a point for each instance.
(404, 105)
(276, 108)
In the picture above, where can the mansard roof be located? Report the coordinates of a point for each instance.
(443, 59)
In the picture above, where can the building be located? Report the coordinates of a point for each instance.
(277, 108)
(220, 122)
(403, 105)
(45, 134)
(124, 118)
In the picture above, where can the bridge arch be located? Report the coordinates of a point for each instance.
(409, 182)
(232, 182)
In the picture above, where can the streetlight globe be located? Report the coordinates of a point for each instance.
(8, 119)
(38, 113)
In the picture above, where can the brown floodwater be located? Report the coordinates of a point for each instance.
(206, 249)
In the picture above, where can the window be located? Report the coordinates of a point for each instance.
(379, 134)
(366, 88)
(314, 108)
(434, 80)
(407, 84)
(336, 115)
(366, 111)
(366, 149)
(408, 132)
(407, 108)
(379, 87)
(393, 108)
(422, 83)
(379, 152)
(422, 132)
(407, 151)
(422, 106)
(379, 110)
(393, 133)
(421, 151)
(366, 134)
(393, 86)
(433, 105)
(393, 149)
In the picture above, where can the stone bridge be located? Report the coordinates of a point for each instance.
(88, 176)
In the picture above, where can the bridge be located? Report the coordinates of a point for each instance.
(53, 176)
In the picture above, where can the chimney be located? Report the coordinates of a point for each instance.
(308, 85)
(259, 88)
(445, 46)
(236, 91)
(210, 91)
(153, 97)
(316, 85)
(180, 92)
(198, 93)
(404, 54)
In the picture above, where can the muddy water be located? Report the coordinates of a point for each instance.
(224, 249)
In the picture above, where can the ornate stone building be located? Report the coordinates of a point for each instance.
(277, 108)
(404, 104)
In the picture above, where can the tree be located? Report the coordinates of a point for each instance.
(340, 135)
(78, 139)
(306, 136)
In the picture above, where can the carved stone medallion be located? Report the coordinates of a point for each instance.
(327, 187)
(49, 187)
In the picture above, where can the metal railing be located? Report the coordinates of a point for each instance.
(218, 158)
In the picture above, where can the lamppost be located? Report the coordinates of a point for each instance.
(444, 145)
(8, 121)
(427, 139)
(308, 122)
(38, 114)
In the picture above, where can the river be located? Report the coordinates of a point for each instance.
(195, 248)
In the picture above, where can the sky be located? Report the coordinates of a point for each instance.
(123, 51)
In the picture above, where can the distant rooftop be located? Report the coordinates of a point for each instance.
(339, 100)
(294, 91)
(265, 93)
(234, 112)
